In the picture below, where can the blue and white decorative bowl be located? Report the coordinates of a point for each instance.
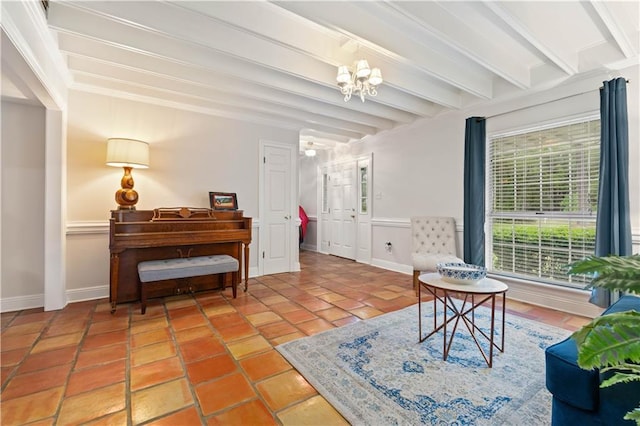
(461, 273)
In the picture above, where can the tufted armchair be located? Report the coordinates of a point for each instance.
(434, 241)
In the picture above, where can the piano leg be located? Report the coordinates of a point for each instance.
(113, 295)
(246, 267)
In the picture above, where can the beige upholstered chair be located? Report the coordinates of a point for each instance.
(434, 241)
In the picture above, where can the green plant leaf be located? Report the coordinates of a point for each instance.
(609, 340)
(611, 272)
(633, 415)
(620, 377)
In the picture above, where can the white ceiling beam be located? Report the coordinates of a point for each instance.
(370, 27)
(603, 10)
(89, 67)
(278, 25)
(191, 36)
(76, 46)
(156, 96)
(208, 60)
(313, 135)
(24, 26)
(569, 66)
(224, 84)
(456, 34)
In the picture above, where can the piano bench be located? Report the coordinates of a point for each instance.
(175, 269)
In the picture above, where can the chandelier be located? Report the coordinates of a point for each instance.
(309, 151)
(364, 81)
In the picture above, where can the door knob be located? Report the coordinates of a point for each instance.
(353, 216)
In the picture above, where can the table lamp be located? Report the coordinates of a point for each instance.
(128, 154)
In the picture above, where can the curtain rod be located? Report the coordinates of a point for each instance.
(628, 81)
(544, 103)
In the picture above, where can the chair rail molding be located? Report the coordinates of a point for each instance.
(102, 226)
(88, 227)
(394, 222)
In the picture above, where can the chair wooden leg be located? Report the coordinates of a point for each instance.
(415, 280)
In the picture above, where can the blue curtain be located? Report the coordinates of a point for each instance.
(474, 176)
(613, 224)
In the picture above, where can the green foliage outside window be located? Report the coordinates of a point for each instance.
(551, 236)
(542, 251)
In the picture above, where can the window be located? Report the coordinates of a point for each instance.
(325, 192)
(543, 187)
(363, 190)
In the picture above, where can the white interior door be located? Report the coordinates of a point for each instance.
(324, 228)
(343, 198)
(344, 194)
(278, 217)
(364, 211)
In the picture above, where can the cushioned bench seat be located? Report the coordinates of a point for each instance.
(173, 269)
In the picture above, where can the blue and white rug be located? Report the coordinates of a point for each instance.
(375, 372)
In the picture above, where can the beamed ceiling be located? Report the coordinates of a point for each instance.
(275, 62)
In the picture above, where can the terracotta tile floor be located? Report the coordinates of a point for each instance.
(208, 359)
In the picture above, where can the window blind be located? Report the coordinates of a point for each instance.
(543, 187)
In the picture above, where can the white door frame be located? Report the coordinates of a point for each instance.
(294, 261)
(363, 222)
(326, 167)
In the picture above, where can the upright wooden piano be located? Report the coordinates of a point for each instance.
(166, 233)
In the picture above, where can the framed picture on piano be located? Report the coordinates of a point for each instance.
(223, 200)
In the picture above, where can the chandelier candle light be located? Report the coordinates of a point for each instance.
(364, 81)
(128, 154)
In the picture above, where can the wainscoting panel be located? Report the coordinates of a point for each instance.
(397, 231)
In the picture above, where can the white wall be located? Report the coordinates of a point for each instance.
(190, 154)
(23, 183)
(308, 183)
(418, 169)
(308, 188)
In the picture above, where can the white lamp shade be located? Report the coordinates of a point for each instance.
(376, 77)
(127, 153)
(310, 152)
(343, 74)
(362, 69)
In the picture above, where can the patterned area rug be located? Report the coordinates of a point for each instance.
(375, 372)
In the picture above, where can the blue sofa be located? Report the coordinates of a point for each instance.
(577, 396)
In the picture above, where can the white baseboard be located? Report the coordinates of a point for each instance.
(392, 266)
(308, 247)
(18, 303)
(563, 299)
(87, 293)
(253, 271)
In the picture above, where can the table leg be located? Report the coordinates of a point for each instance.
(467, 315)
(419, 311)
(444, 346)
(436, 327)
(504, 303)
(493, 321)
(435, 308)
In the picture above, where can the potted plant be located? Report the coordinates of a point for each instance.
(611, 342)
